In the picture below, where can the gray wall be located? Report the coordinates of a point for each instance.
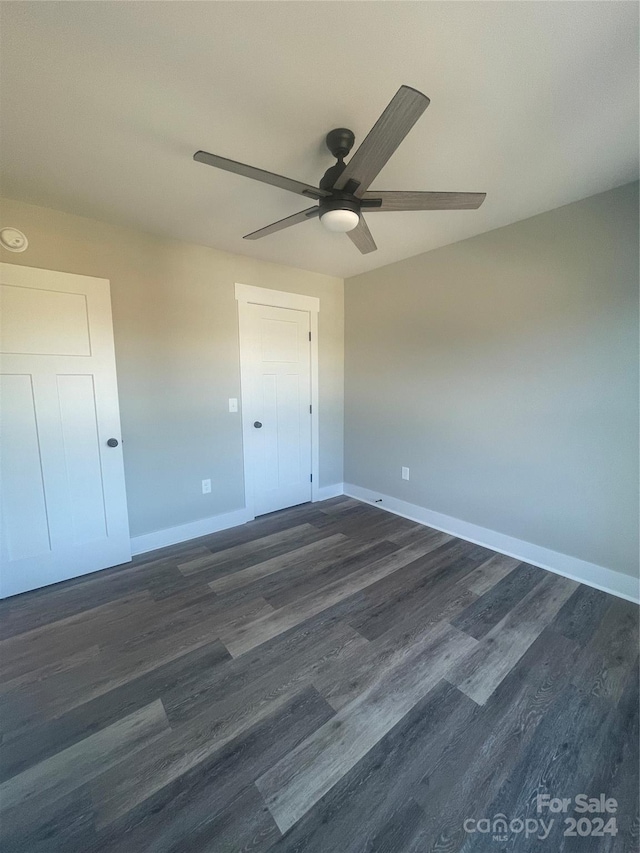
(177, 354)
(503, 370)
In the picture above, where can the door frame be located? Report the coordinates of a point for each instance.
(247, 294)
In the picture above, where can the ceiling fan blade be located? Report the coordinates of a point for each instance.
(259, 175)
(309, 213)
(361, 237)
(424, 201)
(406, 107)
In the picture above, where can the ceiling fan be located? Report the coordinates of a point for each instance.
(343, 194)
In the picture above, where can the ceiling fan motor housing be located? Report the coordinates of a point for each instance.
(339, 142)
(339, 201)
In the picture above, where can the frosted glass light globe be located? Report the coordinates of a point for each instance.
(340, 220)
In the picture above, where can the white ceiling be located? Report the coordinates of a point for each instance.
(104, 103)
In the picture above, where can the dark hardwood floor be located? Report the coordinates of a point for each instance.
(327, 678)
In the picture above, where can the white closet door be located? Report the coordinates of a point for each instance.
(63, 501)
(277, 365)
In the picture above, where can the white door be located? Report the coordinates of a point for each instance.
(63, 502)
(276, 399)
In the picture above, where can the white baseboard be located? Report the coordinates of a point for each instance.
(213, 524)
(192, 530)
(599, 577)
(325, 492)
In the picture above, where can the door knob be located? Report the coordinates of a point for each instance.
(257, 424)
(112, 442)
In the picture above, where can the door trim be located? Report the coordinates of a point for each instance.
(247, 294)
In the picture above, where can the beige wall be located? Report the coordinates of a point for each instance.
(503, 371)
(176, 339)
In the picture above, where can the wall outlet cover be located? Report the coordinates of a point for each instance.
(405, 473)
(206, 487)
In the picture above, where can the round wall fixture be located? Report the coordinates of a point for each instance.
(13, 240)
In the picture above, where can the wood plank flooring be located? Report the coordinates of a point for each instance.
(328, 678)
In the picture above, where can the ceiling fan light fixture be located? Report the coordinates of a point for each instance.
(340, 220)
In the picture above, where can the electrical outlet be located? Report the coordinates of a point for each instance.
(405, 473)
(233, 404)
(206, 487)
